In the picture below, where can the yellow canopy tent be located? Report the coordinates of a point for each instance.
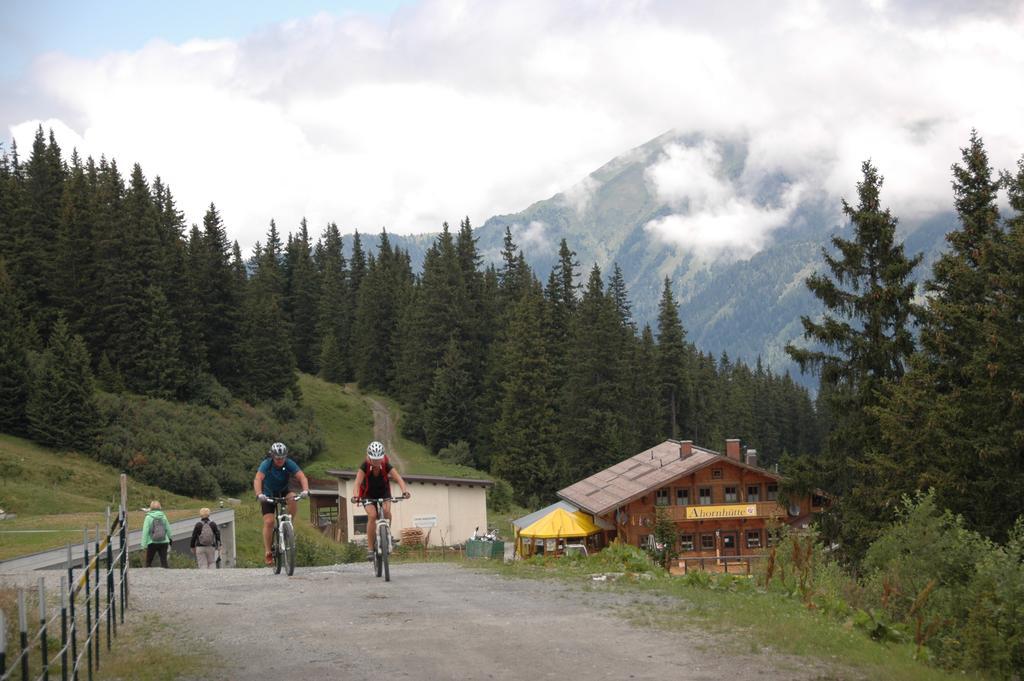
(559, 524)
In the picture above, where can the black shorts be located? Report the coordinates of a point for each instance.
(371, 501)
(268, 506)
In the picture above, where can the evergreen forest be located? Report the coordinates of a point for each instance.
(536, 378)
(131, 336)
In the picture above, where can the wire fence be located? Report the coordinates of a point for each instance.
(98, 594)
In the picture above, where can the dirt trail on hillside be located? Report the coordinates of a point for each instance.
(384, 430)
(438, 622)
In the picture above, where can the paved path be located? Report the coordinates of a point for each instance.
(435, 622)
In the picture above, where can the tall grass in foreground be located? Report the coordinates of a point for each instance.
(749, 614)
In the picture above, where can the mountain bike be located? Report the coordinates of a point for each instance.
(282, 545)
(385, 540)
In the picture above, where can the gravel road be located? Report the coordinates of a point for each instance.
(435, 622)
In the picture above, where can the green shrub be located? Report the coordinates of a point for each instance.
(313, 550)
(499, 497)
(195, 450)
(958, 594)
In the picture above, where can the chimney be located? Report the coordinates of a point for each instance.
(752, 457)
(685, 449)
(732, 448)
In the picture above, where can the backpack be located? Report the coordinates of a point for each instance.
(157, 530)
(206, 536)
(366, 478)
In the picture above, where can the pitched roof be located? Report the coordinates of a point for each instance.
(561, 523)
(640, 474)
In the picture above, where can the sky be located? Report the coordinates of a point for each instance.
(403, 114)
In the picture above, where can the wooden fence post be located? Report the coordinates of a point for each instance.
(63, 629)
(23, 626)
(42, 630)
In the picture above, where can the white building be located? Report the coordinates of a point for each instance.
(448, 510)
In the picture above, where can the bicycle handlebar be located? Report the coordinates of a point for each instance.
(284, 499)
(363, 500)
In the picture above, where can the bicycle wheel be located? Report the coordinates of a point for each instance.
(376, 558)
(385, 551)
(275, 546)
(288, 533)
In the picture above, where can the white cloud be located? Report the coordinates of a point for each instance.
(579, 196)
(532, 236)
(481, 107)
(714, 218)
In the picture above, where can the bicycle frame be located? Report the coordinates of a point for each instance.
(384, 543)
(282, 520)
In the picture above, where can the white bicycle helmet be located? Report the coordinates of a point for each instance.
(375, 451)
(278, 450)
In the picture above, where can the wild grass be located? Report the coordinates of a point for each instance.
(741, 617)
(345, 420)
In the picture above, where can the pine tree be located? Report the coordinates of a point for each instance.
(30, 260)
(438, 311)
(645, 403)
(359, 264)
(595, 431)
(139, 268)
(449, 409)
(220, 300)
(956, 417)
(61, 408)
(158, 369)
(14, 373)
(265, 346)
(867, 340)
(334, 316)
(302, 294)
(387, 282)
(673, 360)
(524, 440)
(76, 275)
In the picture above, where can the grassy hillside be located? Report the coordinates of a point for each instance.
(62, 492)
(65, 492)
(346, 421)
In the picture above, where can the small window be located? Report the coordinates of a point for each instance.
(705, 496)
(753, 539)
(716, 473)
(753, 492)
(686, 542)
(772, 491)
(731, 495)
(682, 497)
(359, 524)
(707, 542)
(661, 497)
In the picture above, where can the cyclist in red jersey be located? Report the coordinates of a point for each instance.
(373, 481)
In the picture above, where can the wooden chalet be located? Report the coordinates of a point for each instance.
(724, 505)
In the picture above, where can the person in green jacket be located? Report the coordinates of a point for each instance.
(156, 534)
